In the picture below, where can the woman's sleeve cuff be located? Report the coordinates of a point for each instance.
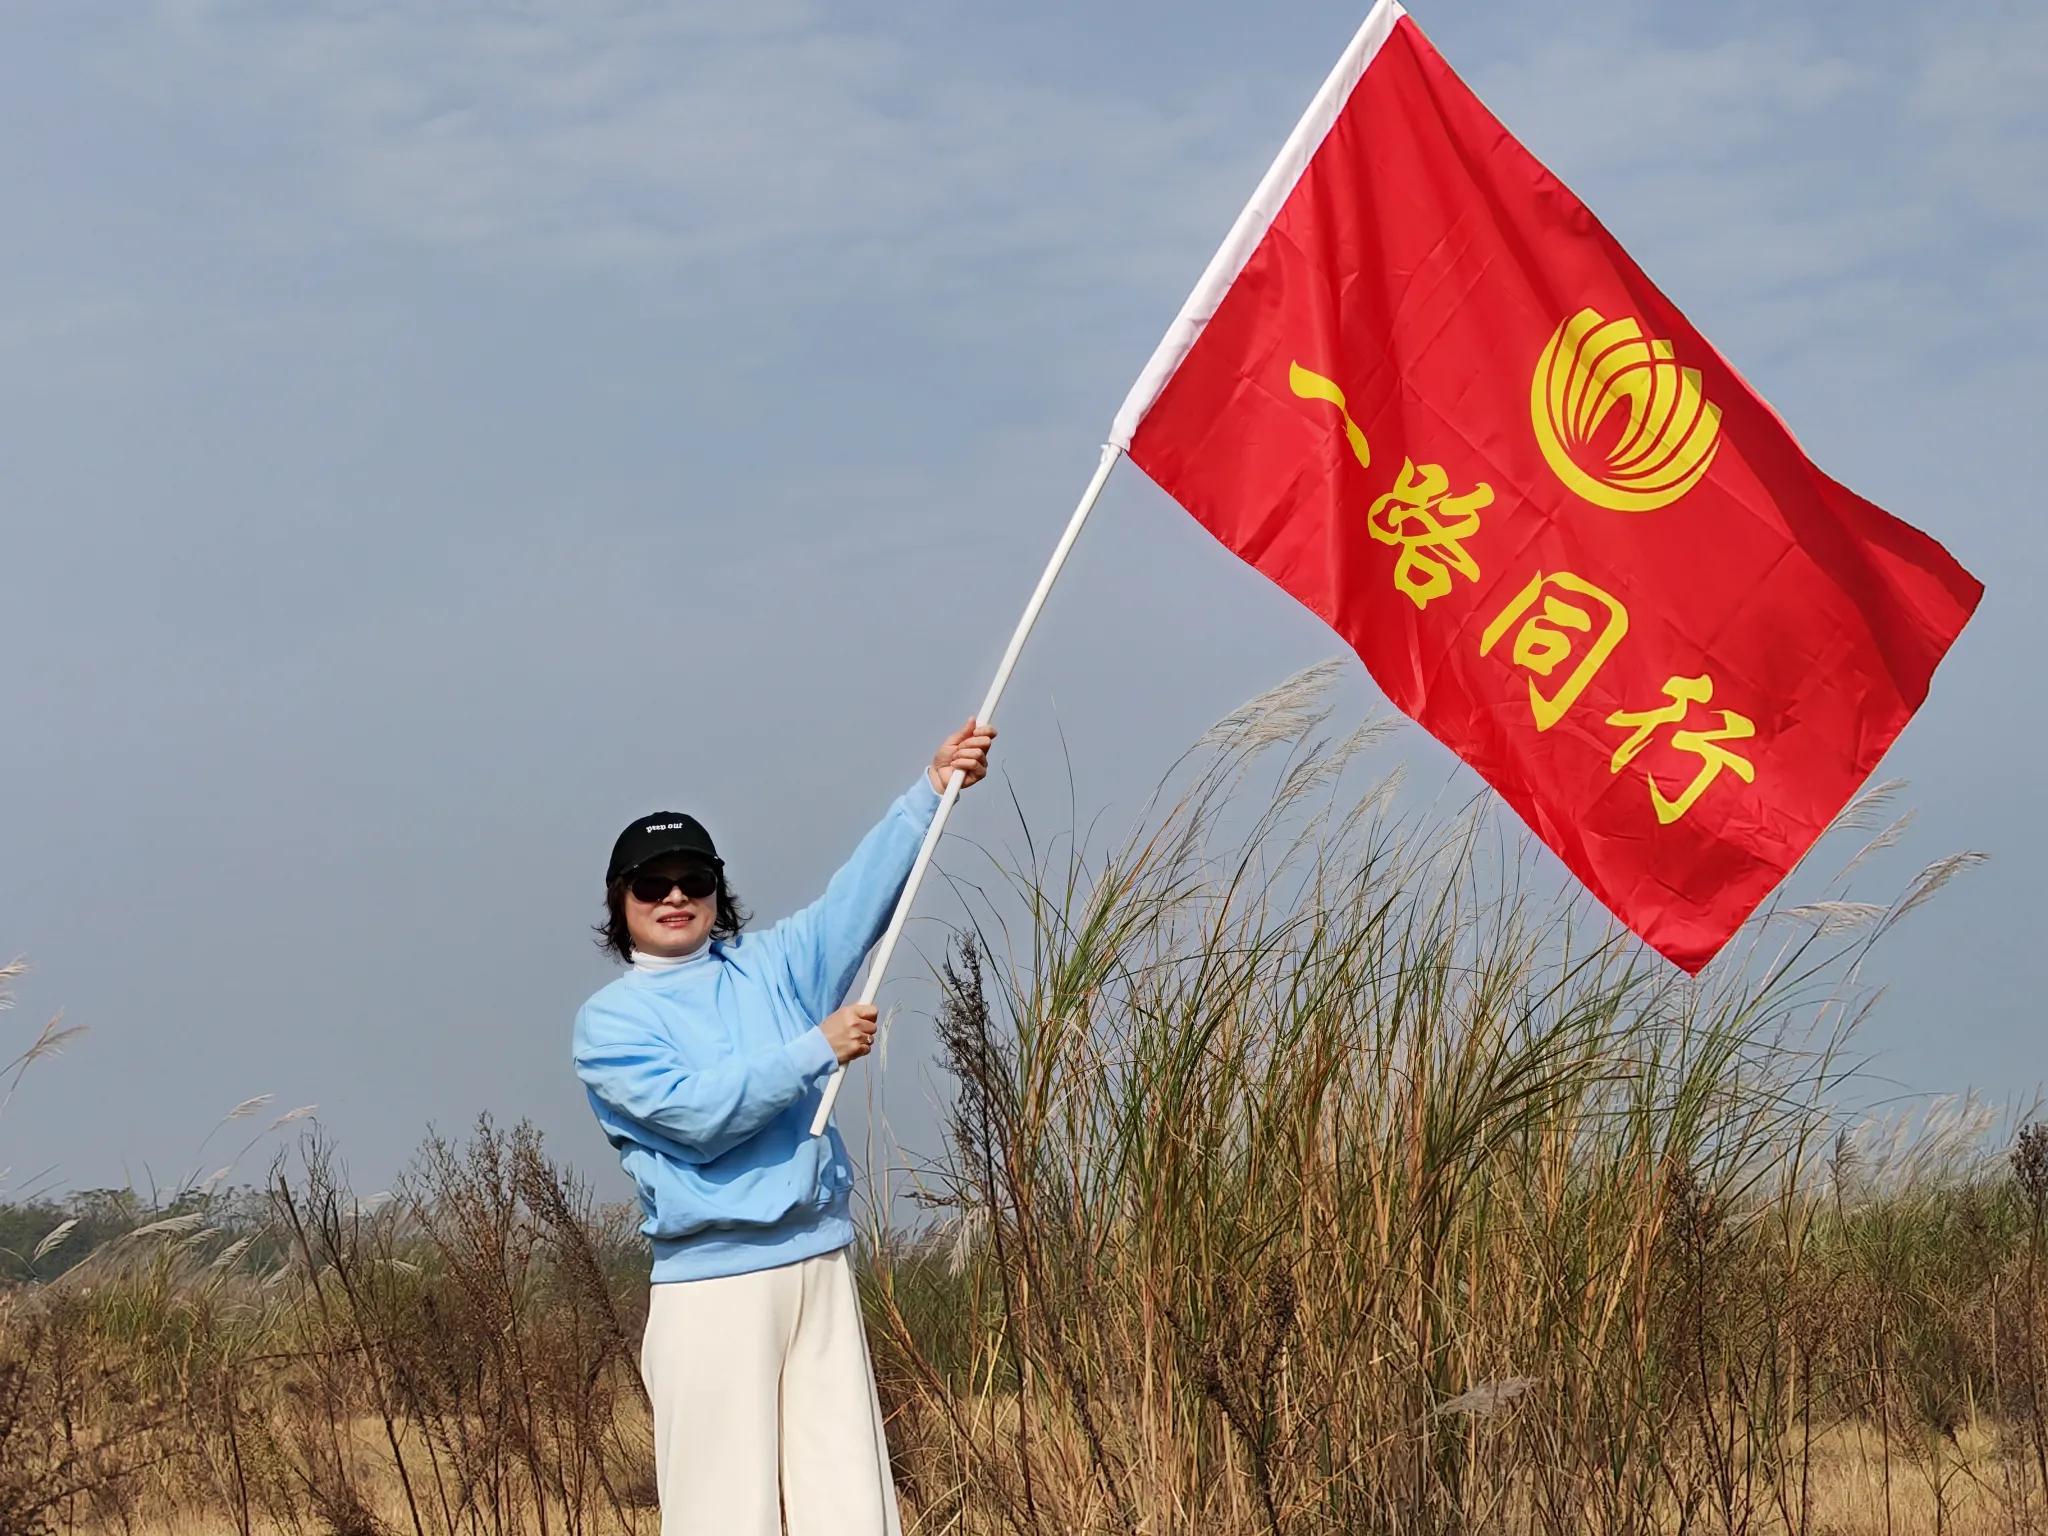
(921, 797)
(812, 1054)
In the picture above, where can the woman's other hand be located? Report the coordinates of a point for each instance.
(967, 750)
(850, 1031)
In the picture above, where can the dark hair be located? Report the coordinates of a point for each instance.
(614, 940)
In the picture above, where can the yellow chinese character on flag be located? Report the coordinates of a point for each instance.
(1408, 517)
(1416, 516)
(1313, 386)
(1684, 692)
(1572, 610)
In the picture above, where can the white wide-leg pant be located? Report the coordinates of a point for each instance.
(761, 1386)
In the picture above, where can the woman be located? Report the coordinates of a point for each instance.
(704, 1064)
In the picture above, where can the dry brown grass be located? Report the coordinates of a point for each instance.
(1312, 1182)
(1848, 1498)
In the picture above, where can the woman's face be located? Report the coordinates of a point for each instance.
(671, 924)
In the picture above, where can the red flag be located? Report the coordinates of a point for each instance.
(1427, 393)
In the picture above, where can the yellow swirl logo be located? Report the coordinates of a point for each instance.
(1594, 366)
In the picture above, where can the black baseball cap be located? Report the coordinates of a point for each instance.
(652, 836)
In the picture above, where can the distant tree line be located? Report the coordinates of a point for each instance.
(41, 1238)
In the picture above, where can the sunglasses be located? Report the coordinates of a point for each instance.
(695, 881)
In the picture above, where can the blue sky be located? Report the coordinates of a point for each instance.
(434, 434)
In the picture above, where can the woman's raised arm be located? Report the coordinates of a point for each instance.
(823, 945)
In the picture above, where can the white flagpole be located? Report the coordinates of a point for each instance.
(880, 963)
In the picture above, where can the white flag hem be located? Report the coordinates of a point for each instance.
(1274, 188)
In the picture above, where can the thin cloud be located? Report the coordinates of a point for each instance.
(647, 145)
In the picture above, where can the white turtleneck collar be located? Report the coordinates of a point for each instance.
(662, 964)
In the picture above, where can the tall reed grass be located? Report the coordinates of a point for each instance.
(1312, 1167)
(1330, 1175)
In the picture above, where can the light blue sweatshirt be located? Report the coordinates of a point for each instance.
(705, 1077)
